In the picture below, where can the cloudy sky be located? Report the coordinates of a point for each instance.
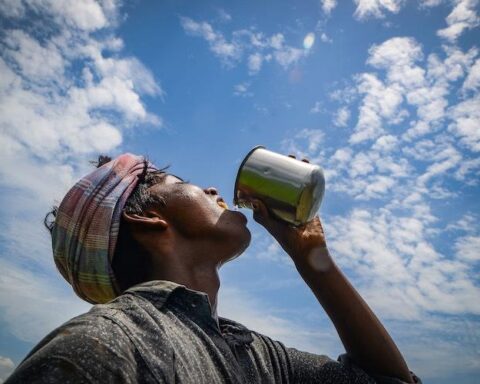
(383, 94)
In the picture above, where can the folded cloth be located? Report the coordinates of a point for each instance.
(87, 224)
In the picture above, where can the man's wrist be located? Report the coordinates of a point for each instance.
(316, 259)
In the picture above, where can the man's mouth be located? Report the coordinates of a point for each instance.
(222, 203)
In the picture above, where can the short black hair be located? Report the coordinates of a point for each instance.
(130, 261)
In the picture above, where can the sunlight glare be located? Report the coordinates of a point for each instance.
(308, 41)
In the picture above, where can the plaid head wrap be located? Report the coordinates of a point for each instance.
(87, 225)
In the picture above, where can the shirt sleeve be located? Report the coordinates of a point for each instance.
(311, 368)
(82, 351)
(345, 359)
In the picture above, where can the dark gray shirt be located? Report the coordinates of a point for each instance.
(162, 332)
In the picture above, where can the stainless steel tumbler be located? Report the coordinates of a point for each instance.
(291, 189)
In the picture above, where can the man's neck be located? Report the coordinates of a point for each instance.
(200, 277)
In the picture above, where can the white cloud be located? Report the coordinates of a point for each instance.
(472, 82)
(84, 14)
(317, 107)
(229, 52)
(12, 8)
(305, 144)
(41, 63)
(68, 113)
(345, 95)
(380, 102)
(466, 122)
(445, 160)
(87, 15)
(6, 367)
(242, 90)
(271, 251)
(439, 346)
(371, 174)
(324, 38)
(341, 117)
(395, 51)
(469, 172)
(462, 17)
(397, 56)
(255, 45)
(376, 8)
(287, 56)
(276, 41)
(328, 6)
(224, 15)
(468, 248)
(430, 3)
(342, 155)
(362, 164)
(379, 170)
(385, 143)
(314, 138)
(406, 81)
(255, 63)
(409, 102)
(431, 102)
(392, 253)
(465, 224)
(455, 65)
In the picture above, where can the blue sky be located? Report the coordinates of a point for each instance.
(385, 97)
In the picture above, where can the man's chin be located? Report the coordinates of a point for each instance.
(242, 245)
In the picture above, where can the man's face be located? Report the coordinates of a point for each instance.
(200, 214)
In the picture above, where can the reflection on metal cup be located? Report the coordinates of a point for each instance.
(291, 189)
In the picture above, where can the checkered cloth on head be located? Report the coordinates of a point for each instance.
(87, 224)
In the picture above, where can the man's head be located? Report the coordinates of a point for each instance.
(166, 220)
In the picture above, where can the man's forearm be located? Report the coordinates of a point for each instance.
(364, 337)
(362, 334)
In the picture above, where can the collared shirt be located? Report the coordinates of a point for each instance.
(162, 332)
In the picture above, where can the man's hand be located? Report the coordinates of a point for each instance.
(299, 242)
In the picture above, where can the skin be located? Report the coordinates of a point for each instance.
(193, 236)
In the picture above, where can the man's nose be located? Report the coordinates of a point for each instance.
(211, 191)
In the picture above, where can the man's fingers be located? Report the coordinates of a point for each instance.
(305, 160)
(262, 215)
(260, 211)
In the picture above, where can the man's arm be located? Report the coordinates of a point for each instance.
(365, 339)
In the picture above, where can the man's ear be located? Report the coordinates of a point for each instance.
(149, 220)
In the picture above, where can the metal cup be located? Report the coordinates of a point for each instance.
(291, 189)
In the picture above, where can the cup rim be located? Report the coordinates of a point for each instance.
(235, 197)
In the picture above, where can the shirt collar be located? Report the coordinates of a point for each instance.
(158, 292)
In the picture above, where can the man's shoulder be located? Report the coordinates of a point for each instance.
(85, 348)
(95, 327)
(255, 339)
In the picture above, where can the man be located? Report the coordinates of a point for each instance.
(149, 246)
